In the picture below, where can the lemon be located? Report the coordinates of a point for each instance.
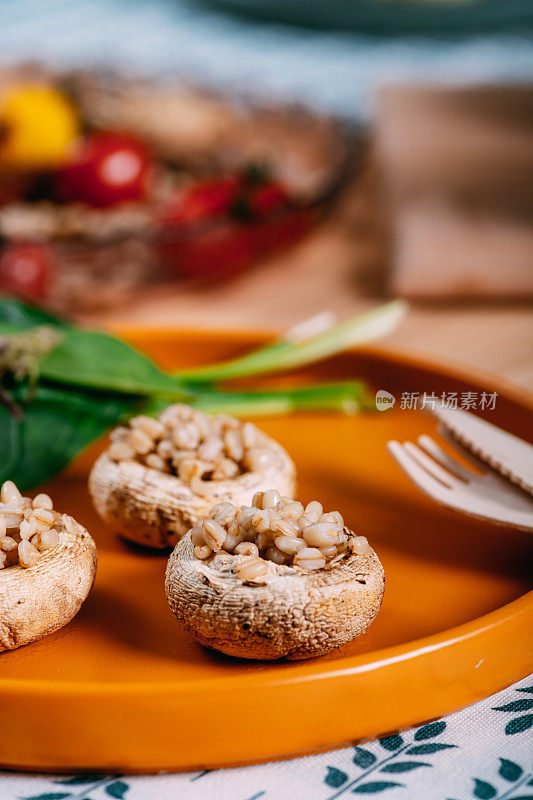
(38, 124)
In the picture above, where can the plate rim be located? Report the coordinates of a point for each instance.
(351, 664)
(355, 677)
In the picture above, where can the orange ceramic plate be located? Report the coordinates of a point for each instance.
(123, 688)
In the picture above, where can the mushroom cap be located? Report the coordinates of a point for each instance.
(294, 614)
(156, 509)
(38, 600)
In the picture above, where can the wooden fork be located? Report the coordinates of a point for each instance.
(486, 496)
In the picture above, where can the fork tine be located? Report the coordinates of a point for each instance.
(432, 448)
(469, 457)
(426, 482)
(430, 465)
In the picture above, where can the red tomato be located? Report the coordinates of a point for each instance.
(218, 228)
(201, 203)
(220, 252)
(107, 168)
(281, 230)
(198, 238)
(26, 270)
(278, 223)
(267, 199)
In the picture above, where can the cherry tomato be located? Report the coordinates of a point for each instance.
(281, 230)
(218, 228)
(106, 169)
(278, 222)
(220, 252)
(26, 270)
(203, 201)
(198, 238)
(267, 199)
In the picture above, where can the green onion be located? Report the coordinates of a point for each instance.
(347, 397)
(285, 355)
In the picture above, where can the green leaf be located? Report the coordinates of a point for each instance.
(374, 786)
(509, 770)
(391, 742)
(363, 758)
(15, 314)
(519, 724)
(335, 777)
(430, 730)
(80, 780)
(117, 789)
(98, 360)
(404, 766)
(427, 749)
(57, 425)
(525, 689)
(483, 790)
(524, 704)
(91, 358)
(201, 774)
(523, 797)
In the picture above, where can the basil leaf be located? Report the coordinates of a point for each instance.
(91, 358)
(17, 315)
(58, 424)
(97, 360)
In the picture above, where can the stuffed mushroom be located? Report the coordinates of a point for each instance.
(47, 567)
(159, 477)
(274, 580)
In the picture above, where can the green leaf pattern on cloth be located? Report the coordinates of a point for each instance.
(484, 752)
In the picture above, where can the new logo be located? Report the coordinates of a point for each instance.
(384, 400)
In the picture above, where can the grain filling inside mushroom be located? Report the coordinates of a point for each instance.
(273, 530)
(160, 477)
(191, 445)
(273, 579)
(26, 527)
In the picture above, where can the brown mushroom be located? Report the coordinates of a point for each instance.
(308, 601)
(160, 476)
(48, 564)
